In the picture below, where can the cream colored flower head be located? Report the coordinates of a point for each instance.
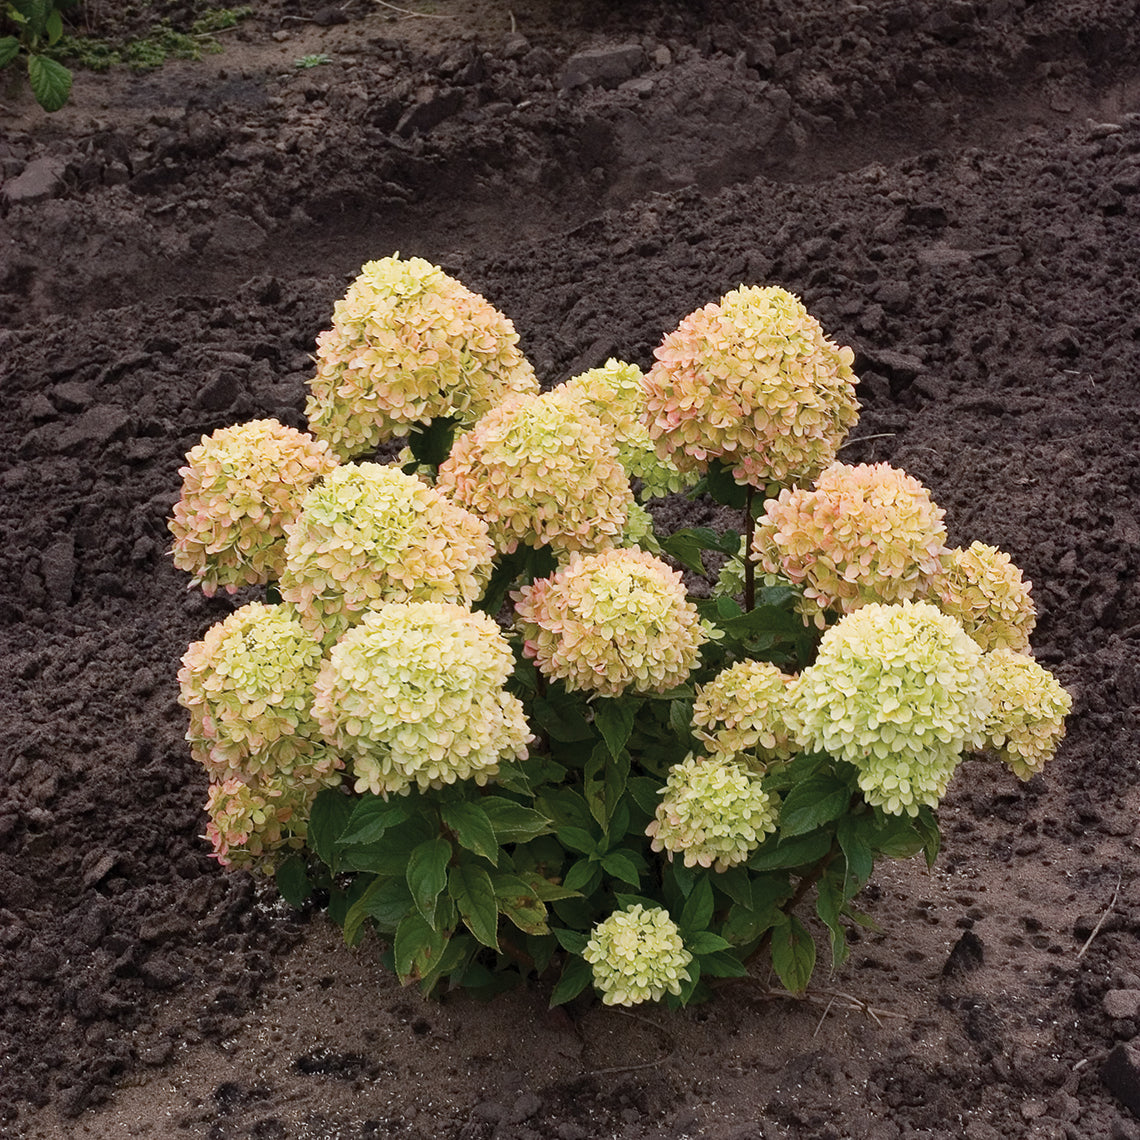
(615, 394)
(751, 381)
(414, 695)
(541, 471)
(900, 693)
(713, 812)
(1027, 722)
(240, 487)
(982, 588)
(637, 955)
(248, 685)
(256, 822)
(410, 344)
(371, 534)
(610, 623)
(741, 710)
(862, 534)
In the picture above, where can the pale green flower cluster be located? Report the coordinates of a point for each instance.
(410, 344)
(414, 695)
(541, 471)
(741, 711)
(862, 534)
(240, 487)
(370, 534)
(253, 825)
(1027, 721)
(899, 692)
(611, 622)
(637, 955)
(615, 394)
(982, 588)
(751, 381)
(713, 812)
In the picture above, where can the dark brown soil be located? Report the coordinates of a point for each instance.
(953, 186)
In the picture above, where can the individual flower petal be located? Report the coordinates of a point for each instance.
(982, 588)
(862, 534)
(899, 692)
(637, 955)
(1027, 721)
(713, 812)
(751, 381)
(410, 344)
(240, 488)
(741, 710)
(541, 471)
(611, 622)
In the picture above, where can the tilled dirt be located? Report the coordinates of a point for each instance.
(954, 190)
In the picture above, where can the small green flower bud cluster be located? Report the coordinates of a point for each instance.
(637, 955)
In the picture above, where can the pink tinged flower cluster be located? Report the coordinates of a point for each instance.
(540, 471)
(371, 534)
(255, 823)
(899, 692)
(713, 812)
(248, 686)
(1027, 721)
(414, 695)
(410, 344)
(615, 394)
(741, 711)
(869, 533)
(753, 382)
(637, 955)
(611, 623)
(982, 588)
(240, 488)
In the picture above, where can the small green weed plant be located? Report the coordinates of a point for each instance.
(37, 26)
(482, 715)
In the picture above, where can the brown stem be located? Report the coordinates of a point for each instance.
(749, 569)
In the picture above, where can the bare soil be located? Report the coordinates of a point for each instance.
(954, 190)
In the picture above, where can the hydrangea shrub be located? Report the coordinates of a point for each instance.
(485, 722)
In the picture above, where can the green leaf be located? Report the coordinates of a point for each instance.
(705, 942)
(293, 881)
(719, 484)
(744, 926)
(698, 911)
(472, 828)
(604, 782)
(645, 792)
(512, 822)
(562, 718)
(541, 948)
(852, 836)
(53, 26)
(613, 718)
(456, 954)
(9, 49)
(830, 900)
(812, 803)
(795, 852)
(737, 884)
(519, 902)
(544, 888)
(565, 807)
(430, 444)
(621, 866)
(577, 839)
(583, 877)
(328, 818)
(417, 948)
(572, 940)
(371, 818)
(51, 82)
(576, 976)
(470, 887)
(387, 902)
(426, 875)
(722, 965)
(793, 955)
(926, 824)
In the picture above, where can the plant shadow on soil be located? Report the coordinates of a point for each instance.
(954, 190)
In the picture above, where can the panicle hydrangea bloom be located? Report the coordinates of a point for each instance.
(611, 622)
(414, 694)
(370, 534)
(741, 710)
(862, 534)
(540, 470)
(982, 588)
(713, 812)
(409, 344)
(751, 381)
(248, 685)
(240, 487)
(899, 692)
(637, 955)
(615, 394)
(255, 822)
(1027, 722)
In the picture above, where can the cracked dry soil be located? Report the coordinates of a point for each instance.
(954, 190)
